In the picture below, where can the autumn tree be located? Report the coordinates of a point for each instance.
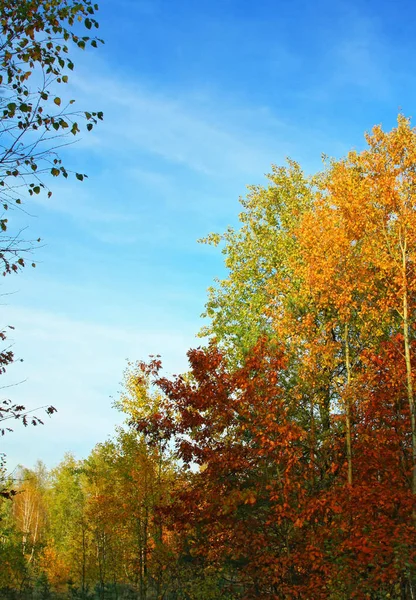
(23, 530)
(241, 508)
(255, 255)
(29, 510)
(380, 219)
(155, 470)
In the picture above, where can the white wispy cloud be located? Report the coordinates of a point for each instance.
(82, 204)
(203, 135)
(160, 156)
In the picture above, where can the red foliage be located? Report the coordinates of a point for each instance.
(284, 523)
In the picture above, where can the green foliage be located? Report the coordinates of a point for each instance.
(240, 307)
(66, 498)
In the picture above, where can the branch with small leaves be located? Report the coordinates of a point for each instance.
(8, 410)
(35, 39)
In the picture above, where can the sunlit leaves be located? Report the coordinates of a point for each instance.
(330, 274)
(256, 255)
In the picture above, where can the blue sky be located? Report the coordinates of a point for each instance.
(199, 99)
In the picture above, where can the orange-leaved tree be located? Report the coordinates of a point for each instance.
(243, 506)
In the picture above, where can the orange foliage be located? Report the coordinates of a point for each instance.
(56, 569)
(302, 463)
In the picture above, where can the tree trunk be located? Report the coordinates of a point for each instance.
(409, 378)
(348, 408)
